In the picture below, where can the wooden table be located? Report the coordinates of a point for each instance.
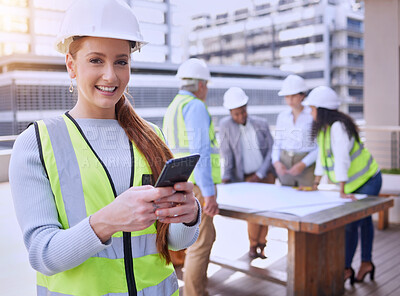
(316, 245)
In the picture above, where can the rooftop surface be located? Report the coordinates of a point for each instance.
(18, 278)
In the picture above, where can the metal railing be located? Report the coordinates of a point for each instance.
(382, 141)
(6, 142)
(384, 144)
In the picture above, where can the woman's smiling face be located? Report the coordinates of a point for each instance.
(101, 67)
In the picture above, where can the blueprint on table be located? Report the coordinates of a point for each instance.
(259, 197)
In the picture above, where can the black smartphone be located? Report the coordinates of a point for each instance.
(177, 170)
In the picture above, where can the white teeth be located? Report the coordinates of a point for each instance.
(105, 88)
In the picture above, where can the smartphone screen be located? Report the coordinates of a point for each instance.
(177, 170)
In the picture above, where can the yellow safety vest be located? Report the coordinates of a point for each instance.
(81, 186)
(362, 166)
(176, 134)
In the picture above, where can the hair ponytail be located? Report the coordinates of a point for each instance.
(154, 150)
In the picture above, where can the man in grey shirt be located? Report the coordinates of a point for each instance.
(246, 147)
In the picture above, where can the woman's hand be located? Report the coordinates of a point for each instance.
(297, 169)
(132, 210)
(253, 178)
(210, 206)
(348, 196)
(180, 207)
(344, 195)
(280, 168)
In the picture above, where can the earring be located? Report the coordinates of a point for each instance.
(127, 90)
(71, 87)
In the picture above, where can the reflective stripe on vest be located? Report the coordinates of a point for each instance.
(81, 186)
(362, 166)
(167, 287)
(175, 131)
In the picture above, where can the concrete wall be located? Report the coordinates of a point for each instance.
(382, 75)
(4, 163)
(381, 62)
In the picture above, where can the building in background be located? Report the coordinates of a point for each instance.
(30, 27)
(34, 82)
(34, 87)
(321, 40)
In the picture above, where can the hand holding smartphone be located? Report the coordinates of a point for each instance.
(177, 170)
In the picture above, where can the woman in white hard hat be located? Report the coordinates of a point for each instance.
(294, 154)
(346, 161)
(89, 224)
(246, 146)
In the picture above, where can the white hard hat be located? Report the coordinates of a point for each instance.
(99, 18)
(193, 69)
(234, 98)
(292, 85)
(323, 97)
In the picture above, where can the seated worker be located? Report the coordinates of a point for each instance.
(294, 154)
(246, 146)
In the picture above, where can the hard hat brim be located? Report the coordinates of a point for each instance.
(237, 105)
(62, 43)
(289, 93)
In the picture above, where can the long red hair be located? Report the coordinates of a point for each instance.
(154, 150)
(149, 144)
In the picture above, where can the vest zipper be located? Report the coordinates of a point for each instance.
(128, 260)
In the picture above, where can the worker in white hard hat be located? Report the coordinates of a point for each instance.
(189, 129)
(246, 147)
(345, 160)
(294, 154)
(91, 224)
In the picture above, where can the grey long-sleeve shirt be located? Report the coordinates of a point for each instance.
(52, 249)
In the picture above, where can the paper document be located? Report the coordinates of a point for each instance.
(259, 197)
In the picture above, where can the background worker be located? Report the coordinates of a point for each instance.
(246, 147)
(90, 225)
(294, 154)
(189, 129)
(343, 157)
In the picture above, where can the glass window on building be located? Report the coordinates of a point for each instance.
(355, 78)
(355, 60)
(45, 49)
(13, 47)
(312, 74)
(284, 2)
(356, 109)
(19, 3)
(47, 26)
(263, 6)
(355, 25)
(356, 92)
(14, 23)
(354, 42)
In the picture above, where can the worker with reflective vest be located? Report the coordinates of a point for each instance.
(188, 128)
(81, 181)
(343, 157)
